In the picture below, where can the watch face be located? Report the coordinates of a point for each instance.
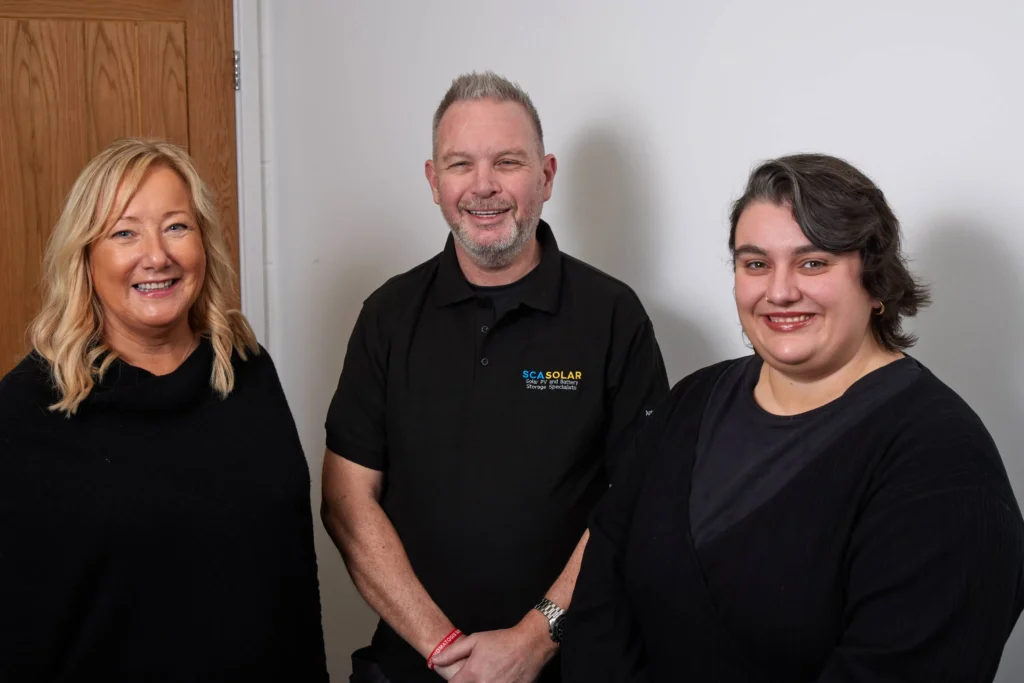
(557, 629)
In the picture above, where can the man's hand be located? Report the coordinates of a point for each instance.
(448, 672)
(447, 668)
(511, 655)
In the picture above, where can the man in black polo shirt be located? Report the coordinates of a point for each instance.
(478, 411)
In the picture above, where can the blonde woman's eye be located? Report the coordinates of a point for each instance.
(121, 234)
(178, 227)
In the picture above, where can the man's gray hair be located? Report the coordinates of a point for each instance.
(486, 86)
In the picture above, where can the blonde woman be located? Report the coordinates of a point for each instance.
(155, 518)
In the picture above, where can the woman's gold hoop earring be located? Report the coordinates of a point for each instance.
(881, 308)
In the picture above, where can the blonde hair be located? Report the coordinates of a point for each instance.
(68, 332)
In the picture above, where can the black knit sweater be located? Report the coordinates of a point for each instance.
(160, 534)
(896, 556)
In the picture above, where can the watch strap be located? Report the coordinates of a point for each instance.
(553, 613)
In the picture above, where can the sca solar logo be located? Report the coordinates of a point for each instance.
(552, 380)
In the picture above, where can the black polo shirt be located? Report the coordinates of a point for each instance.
(495, 434)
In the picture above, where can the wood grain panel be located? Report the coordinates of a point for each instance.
(163, 81)
(124, 10)
(40, 155)
(211, 111)
(111, 82)
(76, 74)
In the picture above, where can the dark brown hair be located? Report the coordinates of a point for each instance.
(840, 210)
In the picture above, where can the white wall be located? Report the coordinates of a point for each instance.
(656, 111)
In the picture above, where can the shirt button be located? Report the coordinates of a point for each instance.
(484, 329)
(484, 361)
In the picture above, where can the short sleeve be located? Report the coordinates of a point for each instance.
(356, 417)
(637, 382)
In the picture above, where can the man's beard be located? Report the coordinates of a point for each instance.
(500, 253)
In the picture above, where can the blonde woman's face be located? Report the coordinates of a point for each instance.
(148, 266)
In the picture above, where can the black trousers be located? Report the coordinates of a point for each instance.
(365, 669)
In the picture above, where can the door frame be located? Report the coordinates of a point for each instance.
(252, 146)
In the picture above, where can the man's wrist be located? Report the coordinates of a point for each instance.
(555, 616)
(434, 635)
(536, 625)
(448, 640)
(540, 631)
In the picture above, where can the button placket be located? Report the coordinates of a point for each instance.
(486, 325)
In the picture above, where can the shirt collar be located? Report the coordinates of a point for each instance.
(542, 291)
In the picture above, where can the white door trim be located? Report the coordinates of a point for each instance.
(251, 178)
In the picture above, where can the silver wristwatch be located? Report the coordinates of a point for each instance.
(555, 616)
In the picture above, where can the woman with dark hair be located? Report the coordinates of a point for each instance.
(825, 510)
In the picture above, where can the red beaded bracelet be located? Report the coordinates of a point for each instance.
(448, 640)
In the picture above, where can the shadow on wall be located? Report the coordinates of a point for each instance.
(613, 221)
(348, 621)
(969, 337)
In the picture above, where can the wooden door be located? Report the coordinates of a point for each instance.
(76, 75)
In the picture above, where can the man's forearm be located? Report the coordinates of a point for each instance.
(380, 569)
(560, 593)
(561, 590)
(521, 652)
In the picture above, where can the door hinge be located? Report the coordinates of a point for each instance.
(238, 70)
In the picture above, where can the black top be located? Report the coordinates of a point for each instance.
(160, 534)
(503, 298)
(494, 433)
(745, 455)
(896, 556)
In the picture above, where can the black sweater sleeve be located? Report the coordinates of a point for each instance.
(601, 640)
(599, 617)
(935, 563)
